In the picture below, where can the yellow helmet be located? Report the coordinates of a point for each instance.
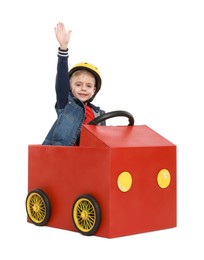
(91, 68)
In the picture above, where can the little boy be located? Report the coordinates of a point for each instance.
(75, 90)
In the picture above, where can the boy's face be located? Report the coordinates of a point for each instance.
(83, 85)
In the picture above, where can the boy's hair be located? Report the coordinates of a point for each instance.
(78, 72)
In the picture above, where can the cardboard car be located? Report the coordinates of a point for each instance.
(119, 181)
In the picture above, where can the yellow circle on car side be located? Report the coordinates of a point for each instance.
(124, 181)
(163, 178)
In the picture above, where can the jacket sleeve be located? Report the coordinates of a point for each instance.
(62, 84)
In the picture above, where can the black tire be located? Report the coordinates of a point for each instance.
(38, 207)
(86, 214)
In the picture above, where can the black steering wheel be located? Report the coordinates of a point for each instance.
(112, 114)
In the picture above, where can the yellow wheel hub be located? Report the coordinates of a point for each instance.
(84, 215)
(36, 208)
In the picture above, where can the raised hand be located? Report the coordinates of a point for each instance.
(62, 35)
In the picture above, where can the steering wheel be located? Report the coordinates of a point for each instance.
(112, 114)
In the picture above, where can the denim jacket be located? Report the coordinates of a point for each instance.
(66, 129)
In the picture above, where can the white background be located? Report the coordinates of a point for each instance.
(151, 57)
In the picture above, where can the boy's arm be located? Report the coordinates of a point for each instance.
(62, 84)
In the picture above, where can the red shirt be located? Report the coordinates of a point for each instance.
(89, 115)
